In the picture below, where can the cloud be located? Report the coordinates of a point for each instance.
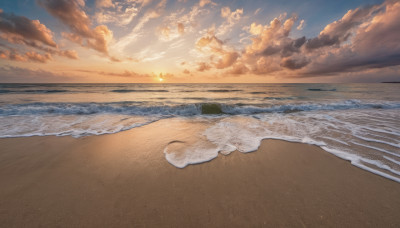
(362, 40)
(72, 54)
(203, 3)
(105, 4)
(211, 42)
(30, 30)
(301, 25)
(221, 56)
(124, 74)
(272, 36)
(231, 18)
(36, 57)
(135, 33)
(11, 55)
(181, 28)
(70, 13)
(238, 69)
(121, 13)
(340, 31)
(203, 66)
(374, 45)
(294, 63)
(226, 60)
(270, 48)
(19, 40)
(27, 57)
(168, 33)
(11, 74)
(186, 22)
(149, 55)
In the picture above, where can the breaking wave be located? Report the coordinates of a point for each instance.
(140, 108)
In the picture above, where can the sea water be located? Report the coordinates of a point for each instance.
(356, 122)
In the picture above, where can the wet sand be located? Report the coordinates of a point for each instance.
(124, 180)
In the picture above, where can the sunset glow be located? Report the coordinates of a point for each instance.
(199, 41)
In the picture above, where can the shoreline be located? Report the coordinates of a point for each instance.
(124, 180)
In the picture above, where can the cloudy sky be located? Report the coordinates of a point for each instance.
(199, 41)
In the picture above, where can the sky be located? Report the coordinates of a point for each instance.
(201, 41)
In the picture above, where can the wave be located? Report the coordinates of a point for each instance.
(46, 91)
(330, 90)
(35, 91)
(279, 98)
(244, 134)
(139, 91)
(223, 90)
(140, 108)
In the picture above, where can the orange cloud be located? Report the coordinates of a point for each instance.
(28, 56)
(17, 39)
(181, 28)
(71, 14)
(203, 66)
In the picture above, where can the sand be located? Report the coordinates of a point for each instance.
(123, 180)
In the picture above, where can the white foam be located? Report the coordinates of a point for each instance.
(392, 160)
(375, 140)
(245, 133)
(192, 154)
(383, 174)
(75, 126)
(332, 130)
(336, 140)
(376, 148)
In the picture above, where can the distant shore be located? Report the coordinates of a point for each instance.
(123, 180)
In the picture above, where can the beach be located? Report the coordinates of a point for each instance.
(124, 180)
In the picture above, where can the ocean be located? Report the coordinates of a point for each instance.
(356, 122)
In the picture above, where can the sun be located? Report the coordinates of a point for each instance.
(160, 79)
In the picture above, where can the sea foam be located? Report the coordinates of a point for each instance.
(335, 132)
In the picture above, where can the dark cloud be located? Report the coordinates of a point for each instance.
(29, 34)
(323, 41)
(339, 31)
(294, 63)
(26, 29)
(355, 64)
(286, 48)
(293, 47)
(363, 40)
(271, 50)
(374, 46)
